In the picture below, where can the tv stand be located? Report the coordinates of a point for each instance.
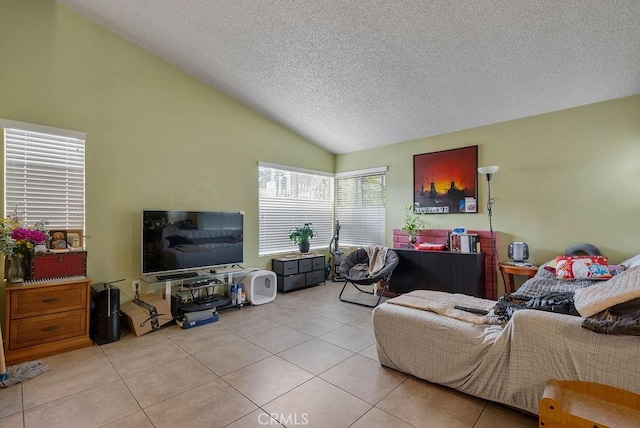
(195, 291)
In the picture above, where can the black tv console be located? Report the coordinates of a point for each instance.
(439, 270)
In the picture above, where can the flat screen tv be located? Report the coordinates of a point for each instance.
(177, 242)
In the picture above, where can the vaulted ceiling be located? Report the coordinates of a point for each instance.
(355, 74)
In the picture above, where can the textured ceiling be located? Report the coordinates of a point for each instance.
(352, 75)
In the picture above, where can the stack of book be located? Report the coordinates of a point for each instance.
(464, 242)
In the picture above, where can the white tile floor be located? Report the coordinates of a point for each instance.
(306, 358)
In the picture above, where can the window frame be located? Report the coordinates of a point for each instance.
(295, 210)
(374, 224)
(31, 175)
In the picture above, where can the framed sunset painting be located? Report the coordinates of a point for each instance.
(446, 182)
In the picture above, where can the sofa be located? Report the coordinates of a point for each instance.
(510, 362)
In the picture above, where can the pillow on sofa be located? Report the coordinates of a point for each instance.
(582, 267)
(596, 298)
(550, 268)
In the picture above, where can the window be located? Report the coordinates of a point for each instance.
(290, 197)
(44, 174)
(361, 205)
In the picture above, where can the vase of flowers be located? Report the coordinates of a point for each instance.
(18, 242)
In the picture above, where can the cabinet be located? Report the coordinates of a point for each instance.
(46, 319)
(293, 273)
(439, 270)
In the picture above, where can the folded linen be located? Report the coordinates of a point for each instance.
(421, 299)
(621, 288)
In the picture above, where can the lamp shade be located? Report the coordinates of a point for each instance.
(486, 170)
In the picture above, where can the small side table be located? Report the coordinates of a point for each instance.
(508, 270)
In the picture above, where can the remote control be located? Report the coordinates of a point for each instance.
(472, 310)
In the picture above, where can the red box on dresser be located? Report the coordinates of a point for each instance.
(58, 265)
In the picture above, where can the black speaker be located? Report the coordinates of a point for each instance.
(176, 306)
(105, 313)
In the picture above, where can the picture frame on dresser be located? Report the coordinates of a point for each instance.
(75, 239)
(58, 239)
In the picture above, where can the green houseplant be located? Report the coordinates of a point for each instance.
(412, 223)
(302, 235)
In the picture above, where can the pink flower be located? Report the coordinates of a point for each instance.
(20, 234)
(33, 236)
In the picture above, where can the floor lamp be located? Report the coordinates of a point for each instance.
(488, 172)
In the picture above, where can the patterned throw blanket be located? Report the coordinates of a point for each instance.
(561, 303)
(542, 292)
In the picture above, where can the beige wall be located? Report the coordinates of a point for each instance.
(565, 177)
(156, 138)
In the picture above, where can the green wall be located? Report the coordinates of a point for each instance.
(156, 137)
(565, 177)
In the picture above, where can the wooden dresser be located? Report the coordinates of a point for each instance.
(46, 319)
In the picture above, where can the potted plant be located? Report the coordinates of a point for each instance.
(412, 223)
(302, 235)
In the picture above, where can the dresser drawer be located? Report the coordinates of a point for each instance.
(284, 267)
(318, 263)
(291, 282)
(37, 301)
(315, 277)
(305, 265)
(47, 328)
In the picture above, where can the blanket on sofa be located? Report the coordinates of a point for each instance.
(542, 292)
(605, 294)
(560, 303)
(610, 307)
(424, 300)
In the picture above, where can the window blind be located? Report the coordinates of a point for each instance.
(290, 197)
(44, 174)
(361, 206)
